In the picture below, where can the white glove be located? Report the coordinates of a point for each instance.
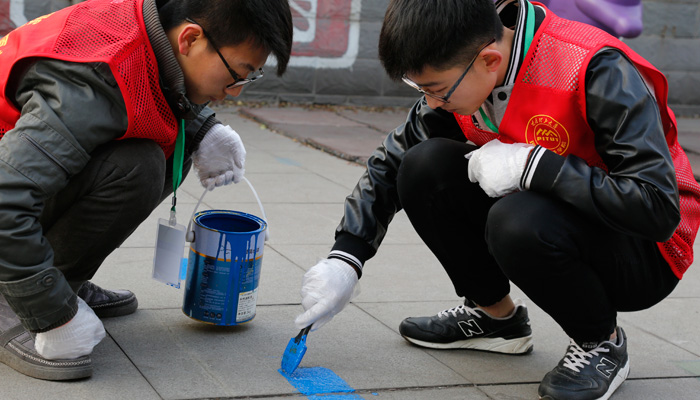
(220, 158)
(326, 289)
(498, 166)
(74, 339)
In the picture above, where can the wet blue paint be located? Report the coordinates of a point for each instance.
(320, 383)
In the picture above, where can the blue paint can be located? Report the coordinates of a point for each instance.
(223, 269)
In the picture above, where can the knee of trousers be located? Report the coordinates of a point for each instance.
(517, 230)
(429, 164)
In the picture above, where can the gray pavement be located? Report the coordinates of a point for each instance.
(159, 353)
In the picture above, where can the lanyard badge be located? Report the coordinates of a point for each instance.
(170, 236)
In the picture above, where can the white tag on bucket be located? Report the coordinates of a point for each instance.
(167, 260)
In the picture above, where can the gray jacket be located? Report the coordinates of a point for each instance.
(67, 110)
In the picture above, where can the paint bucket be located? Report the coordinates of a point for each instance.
(223, 269)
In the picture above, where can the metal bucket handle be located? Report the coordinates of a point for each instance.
(189, 236)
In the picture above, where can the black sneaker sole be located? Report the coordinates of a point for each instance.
(51, 370)
(116, 309)
(522, 345)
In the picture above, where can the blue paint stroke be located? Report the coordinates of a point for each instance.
(319, 381)
(288, 161)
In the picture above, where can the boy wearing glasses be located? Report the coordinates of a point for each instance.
(102, 104)
(543, 152)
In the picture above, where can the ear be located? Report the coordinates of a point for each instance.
(492, 59)
(188, 36)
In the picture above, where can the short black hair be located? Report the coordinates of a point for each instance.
(267, 23)
(436, 33)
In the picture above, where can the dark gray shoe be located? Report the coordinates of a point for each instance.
(108, 303)
(17, 352)
(469, 327)
(588, 375)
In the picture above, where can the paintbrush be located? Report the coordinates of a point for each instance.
(295, 351)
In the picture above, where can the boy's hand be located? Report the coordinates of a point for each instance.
(327, 288)
(220, 158)
(498, 166)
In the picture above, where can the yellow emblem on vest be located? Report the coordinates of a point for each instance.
(547, 132)
(39, 19)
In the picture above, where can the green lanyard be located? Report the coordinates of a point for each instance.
(529, 34)
(178, 161)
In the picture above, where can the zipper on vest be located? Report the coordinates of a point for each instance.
(48, 155)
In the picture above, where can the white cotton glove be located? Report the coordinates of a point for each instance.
(220, 158)
(74, 339)
(498, 166)
(325, 290)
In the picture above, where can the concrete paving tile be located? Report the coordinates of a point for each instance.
(405, 273)
(351, 143)
(114, 378)
(298, 116)
(673, 322)
(397, 273)
(300, 187)
(272, 163)
(304, 255)
(384, 121)
(184, 359)
(332, 168)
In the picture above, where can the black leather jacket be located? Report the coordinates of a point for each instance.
(639, 195)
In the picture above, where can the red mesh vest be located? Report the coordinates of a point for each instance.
(548, 108)
(110, 31)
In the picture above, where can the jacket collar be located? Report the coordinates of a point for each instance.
(172, 80)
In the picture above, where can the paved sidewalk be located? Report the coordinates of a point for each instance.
(159, 353)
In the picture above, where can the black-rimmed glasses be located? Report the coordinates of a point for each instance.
(237, 80)
(446, 97)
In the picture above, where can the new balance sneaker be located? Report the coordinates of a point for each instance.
(108, 303)
(469, 327)
(17, 351)
(588, 375)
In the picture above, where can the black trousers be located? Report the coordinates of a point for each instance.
(579, 272)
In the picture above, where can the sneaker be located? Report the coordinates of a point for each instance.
(108, 303)
(469, 327)
(17, 352)
(588, 375)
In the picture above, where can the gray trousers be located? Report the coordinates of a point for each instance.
(101, 206)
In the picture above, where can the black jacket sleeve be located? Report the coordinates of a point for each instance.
(374, 201)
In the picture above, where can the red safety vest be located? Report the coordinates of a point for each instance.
(106, 31)
(548, 108)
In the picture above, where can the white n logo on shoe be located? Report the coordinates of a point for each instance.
(606, 367)
(470, 328)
